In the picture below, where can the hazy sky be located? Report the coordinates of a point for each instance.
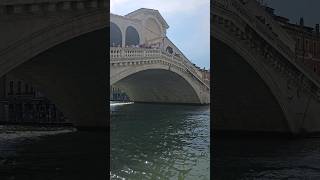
(294, 9)
(189, 22)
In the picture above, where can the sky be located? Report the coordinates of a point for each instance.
(294, 9)
(188, 20)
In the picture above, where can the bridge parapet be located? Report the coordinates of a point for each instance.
(34, 6)
(279, 39)
(292, 68)
(233, 13)
(132, 54)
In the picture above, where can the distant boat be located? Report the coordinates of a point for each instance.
(118, 103)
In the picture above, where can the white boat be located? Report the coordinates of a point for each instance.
(118, 103)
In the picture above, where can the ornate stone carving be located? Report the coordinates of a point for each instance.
(276, 60)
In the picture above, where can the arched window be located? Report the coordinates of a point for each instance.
(132, 36)
(115, 35)
(169, 50)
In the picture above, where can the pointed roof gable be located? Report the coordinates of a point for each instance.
(154, 12)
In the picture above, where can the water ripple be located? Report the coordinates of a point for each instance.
(160, 142)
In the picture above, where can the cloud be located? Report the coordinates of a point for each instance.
(114, 4)
(164, 6)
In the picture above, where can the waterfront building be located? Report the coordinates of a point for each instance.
(205, 74)
(116, 94)
(307, 40)
(21, 102)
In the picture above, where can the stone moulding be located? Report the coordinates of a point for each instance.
(32, 6)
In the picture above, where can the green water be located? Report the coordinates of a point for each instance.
(152, 141)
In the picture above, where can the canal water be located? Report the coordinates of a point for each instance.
(265, 158)
(51, 153)
(151, 141)
(157, 141)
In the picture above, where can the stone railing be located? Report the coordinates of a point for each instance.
(33, 6)
(118, 53)
(241, 11)
(280, 45)
(282, 48)
(262, 28)
(296, 72)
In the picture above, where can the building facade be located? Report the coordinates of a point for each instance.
(117, 95)
(205, 74)
(307, 40)
(21, 102)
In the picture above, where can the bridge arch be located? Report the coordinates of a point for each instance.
(255, 86)
(132, 36)
(115, 35)
(51, 58)
(156, 83)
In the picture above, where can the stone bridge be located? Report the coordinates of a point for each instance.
(159, 73)
(59, 46)
(259, 83)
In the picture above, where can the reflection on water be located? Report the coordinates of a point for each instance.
(51, 153)
(14, 135)
(152, 141)
(266, 158)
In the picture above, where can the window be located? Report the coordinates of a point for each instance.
(11, 88)
(26, 89)
(32, 91)
(19, 87)
(169, 50)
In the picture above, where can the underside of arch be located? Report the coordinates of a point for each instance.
(158, 86)
(73, 75)
(242, 99)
